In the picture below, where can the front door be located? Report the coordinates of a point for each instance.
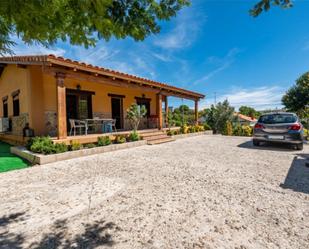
(117, 111)
(71, 102)
(78, 106)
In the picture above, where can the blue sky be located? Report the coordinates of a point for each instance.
(212, 46)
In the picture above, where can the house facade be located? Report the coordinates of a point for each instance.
(244, 120)
(44, 92)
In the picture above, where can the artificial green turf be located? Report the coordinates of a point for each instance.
(9, 161)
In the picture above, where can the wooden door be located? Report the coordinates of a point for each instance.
(117, 112)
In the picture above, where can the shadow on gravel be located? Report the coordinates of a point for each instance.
(7, 239)
(297, 178)
(267, 146)
(94, 235)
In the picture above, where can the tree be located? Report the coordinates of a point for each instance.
(82, 22)
(183, 115)
(296, 98)
(249, 111)
(264, 5)
(219, 115)
(134, 114)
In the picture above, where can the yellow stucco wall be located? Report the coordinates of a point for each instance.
(37, 100)
(101, 102)
(14, 78)
(38, 96)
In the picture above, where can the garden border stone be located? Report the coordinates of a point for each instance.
(192, 134)
(35, 158)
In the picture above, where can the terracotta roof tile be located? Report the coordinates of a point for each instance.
(250, 119)
(58, 60)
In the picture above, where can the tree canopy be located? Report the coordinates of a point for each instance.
(264, 5)
(296, 98)
(183, 115)
(219, 115)
(84, 22)
(249, 111)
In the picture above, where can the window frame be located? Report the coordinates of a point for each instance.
(16, 103)
(5, 107)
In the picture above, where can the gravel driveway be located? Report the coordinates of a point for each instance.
(199, 192)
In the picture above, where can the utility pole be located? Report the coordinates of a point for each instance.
(215, 98)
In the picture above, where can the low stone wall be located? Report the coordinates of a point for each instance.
(192, 134)
(19, 123)
(51, 123)
(44, 159)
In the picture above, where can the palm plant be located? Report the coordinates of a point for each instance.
(134, 114)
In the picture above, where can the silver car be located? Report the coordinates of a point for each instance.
(281, 127)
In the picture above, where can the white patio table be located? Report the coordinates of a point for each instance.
(96, 121)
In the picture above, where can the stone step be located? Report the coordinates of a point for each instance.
(160, 141)
(147, 131)
(155, 137)
(152, 134)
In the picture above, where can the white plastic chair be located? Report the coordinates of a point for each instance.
(77, 124)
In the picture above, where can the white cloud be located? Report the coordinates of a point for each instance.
(265, 97)
(162, 57)
(115, 55)
(222, 64)
(187, 26)
(36, 49)
(95, 55)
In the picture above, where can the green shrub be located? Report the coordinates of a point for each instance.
(228, 129)
(306, 134)
(75, 146)
(237, 130)
(176, 132)
(247, 130)
(177, 122)
(242, 130)
(184, 129)
(89, 146)
(60, 148)
(192, 129)
(103, 141)
(120, 139)
(199, 128)
(133, 136)
(206, 127)
(44, 145)
(170, 133)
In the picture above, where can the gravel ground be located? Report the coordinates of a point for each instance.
(199, 192)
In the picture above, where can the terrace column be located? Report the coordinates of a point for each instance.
(196, 111)
(61, 106)
(166, 111)
(159, 110)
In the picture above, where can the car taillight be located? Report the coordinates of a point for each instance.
(259, 126)
(295, 127)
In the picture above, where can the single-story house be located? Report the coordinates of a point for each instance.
(45, 91)
(244, 120)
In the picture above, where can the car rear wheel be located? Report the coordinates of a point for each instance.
(256, 143)
(299, 146)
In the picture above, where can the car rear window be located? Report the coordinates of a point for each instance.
(277, 118)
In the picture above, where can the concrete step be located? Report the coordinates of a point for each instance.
(155, 137)
(145, 136)
(160, 141)
(147, 131)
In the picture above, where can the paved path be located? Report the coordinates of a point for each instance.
(200, 192)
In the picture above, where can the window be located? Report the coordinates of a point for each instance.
(144, 102)
(5, 107)
(277, 118)
(16, 110)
